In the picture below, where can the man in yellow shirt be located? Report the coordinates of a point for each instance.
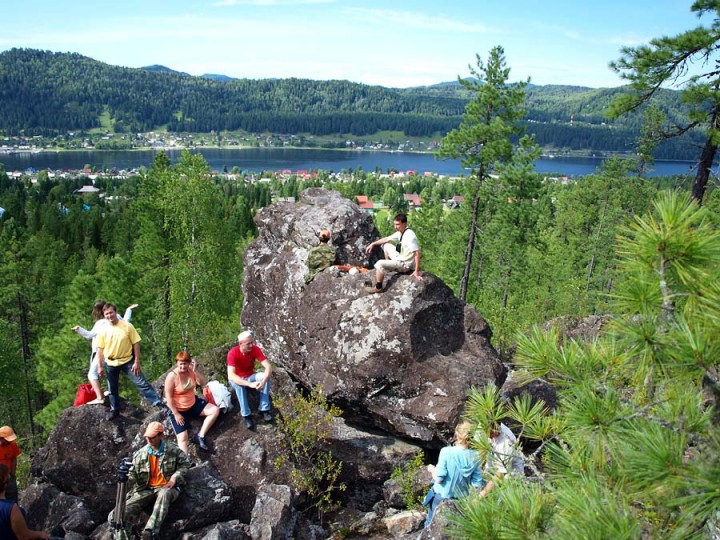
(117, 346)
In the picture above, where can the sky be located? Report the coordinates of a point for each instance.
(390, 43)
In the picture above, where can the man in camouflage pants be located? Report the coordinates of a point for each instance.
(157, 472)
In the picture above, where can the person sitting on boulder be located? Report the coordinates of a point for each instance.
(158, 471)
(180, 397)
(401, 253)
(12, 520)
(242, 375)
(458, 469)
(321, 256)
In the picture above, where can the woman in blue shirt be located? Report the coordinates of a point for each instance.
(12, 520)
(457, 469)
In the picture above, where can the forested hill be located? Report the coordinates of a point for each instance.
(47, 93)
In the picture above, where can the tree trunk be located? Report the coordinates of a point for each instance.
(462, 293)
(706, 161)
(25, 351)
(591, 266)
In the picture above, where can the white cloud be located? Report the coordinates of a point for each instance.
(416, 20)
(227, 3)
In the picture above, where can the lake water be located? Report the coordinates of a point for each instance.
(276, 159)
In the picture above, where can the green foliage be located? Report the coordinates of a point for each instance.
(305, 424)
(406, 476)
(672, 60)
(484, 140)
(520, 512)
(185, 258)
(50, 94)
(631, 450)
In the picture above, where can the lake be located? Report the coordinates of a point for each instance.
(275, 159)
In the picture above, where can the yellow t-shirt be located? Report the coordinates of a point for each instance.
(117, 341)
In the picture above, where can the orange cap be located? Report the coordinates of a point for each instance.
(7, 433)
(153, 429)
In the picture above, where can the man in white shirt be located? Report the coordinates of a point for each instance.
(401, 251)
(505, 458)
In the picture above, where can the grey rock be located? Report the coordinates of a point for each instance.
(58, 513)
(273, 517)
(401, 361)
(404, 522)
(229, 530)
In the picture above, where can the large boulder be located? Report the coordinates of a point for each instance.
(81, 454)
(49, 509)
(401, 361)
(80, 460)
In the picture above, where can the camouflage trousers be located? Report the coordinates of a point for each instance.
(140, 499)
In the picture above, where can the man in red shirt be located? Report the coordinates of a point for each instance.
(9, 452)
(242, 375)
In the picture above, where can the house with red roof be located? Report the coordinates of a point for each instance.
(365, 203)
(413, 200)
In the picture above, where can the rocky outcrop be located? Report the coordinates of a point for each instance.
(58, 513)
(398, 365)
(401, 361)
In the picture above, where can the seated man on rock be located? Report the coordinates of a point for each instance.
(157, 471)
(401, 253)
(321, 256)
(242, 375)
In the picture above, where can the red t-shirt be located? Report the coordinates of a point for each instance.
(8, 453)
(244, 364)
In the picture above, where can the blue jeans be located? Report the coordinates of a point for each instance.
(432, 500)
(241, 392)
(145, 388)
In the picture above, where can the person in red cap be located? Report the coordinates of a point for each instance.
(9, 452)
(158, 473)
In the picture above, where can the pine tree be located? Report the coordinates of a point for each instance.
(632, 449)
(484, 138)
(671, 61)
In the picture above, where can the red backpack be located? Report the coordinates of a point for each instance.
(85, 394)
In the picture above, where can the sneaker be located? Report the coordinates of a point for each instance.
(267, 417)
(97, 401)
(201, 442)
(112, 414)
(248, 422)
(374, 290)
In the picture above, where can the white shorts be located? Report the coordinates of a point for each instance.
(391, 262)
(93, 371)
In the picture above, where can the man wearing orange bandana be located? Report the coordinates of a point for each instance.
(157, 472)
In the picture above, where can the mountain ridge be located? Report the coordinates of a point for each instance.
(49, 93)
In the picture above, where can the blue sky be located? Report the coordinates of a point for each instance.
(399, 44)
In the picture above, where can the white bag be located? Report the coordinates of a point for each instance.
(221, 395)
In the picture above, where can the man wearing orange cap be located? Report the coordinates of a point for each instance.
(158, 472)
(9, 452)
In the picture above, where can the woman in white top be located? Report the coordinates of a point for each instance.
(100, 324)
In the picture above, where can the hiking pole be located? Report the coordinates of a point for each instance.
(117, 525)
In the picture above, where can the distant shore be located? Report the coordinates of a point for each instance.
(550, 155)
